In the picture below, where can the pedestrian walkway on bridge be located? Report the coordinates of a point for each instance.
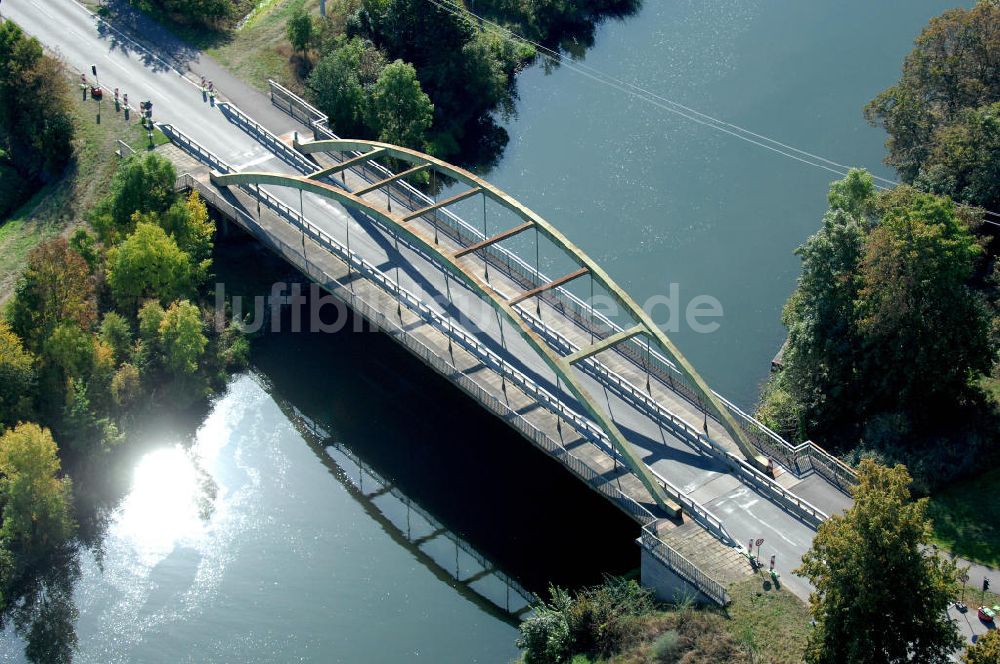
(702, 477)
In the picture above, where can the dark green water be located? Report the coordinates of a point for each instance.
(658, 199)
(237, 536)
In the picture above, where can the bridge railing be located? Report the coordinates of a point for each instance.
(643, 402)
(802, 509)
(467, 341)
(767, 441)
(596, 480)
(683, 567)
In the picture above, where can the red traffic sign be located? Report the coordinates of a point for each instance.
(759, 542)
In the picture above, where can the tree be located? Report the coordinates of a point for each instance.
(205, 12)
(399, 108)
(36, 140)
(150, 316)
(868, 563)
(126, 386)
(941, 125)
(36, 500)
(986, 650)
(70, 351)
(182, 338)
(340, 84)
(881, 279)
(188, 223)
(17, 378)
(56, 286)
(143, 183)
(84, 243)
(299, 30)
(117, 334)
(964, 158)
(915, 273)
(148, 264)
(823, 343)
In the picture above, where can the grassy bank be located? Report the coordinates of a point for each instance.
(763, 625)
(966, 518)
(60, 206)
(772, 624)
(260, 50)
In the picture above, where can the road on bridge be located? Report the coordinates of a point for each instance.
(72, 32)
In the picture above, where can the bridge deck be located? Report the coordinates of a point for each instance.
(704, 478)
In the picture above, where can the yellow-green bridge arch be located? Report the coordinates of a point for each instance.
(459, 266)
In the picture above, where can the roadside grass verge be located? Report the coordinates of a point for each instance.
(261, 51)
(61, 205)
(770, 622)
(966, 518)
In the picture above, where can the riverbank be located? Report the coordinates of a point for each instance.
(616, 624)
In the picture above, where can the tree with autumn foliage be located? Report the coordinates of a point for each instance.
(882, 593)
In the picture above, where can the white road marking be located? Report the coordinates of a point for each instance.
(255, 162)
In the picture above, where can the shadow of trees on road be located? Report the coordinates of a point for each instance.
(134, 33)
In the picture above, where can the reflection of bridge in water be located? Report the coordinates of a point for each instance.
(446, 554)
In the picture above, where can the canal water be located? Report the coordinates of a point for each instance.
(340, 503)
(658, 199)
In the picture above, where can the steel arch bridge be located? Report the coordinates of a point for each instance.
(460, 265)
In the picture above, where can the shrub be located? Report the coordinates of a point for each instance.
(667, 647)
(545, 637)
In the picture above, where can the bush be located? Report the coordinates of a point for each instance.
(667, 647)
(597, 621)
(545, 637)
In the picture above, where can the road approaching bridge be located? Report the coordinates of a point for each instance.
(617, 404)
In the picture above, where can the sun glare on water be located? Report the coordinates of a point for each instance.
(162, 509)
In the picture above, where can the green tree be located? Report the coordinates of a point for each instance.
(880, 280)
(340, 84)
(148, 264)
(126, 386)
(17, 378)
(56, 286)
(915, 274)
(84, 243)
(70, 351)
(299, 30)
(117, 334)
(874, 564)
(182, 338)
(964, 158)
(150, 316)
(940, 115)
(36, 500)
(188, 223)
(986, 650)
(210, 13)
(143, 183)
(36, 140)
(819, 380)
(399, 107)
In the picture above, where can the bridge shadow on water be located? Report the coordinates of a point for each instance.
(393, 427)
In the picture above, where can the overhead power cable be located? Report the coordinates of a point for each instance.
(676, 107)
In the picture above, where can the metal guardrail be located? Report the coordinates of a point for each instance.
(766, 440)
(683, 567)
(802, 509)
(594, 479)
(582, 424)
(663, 551)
